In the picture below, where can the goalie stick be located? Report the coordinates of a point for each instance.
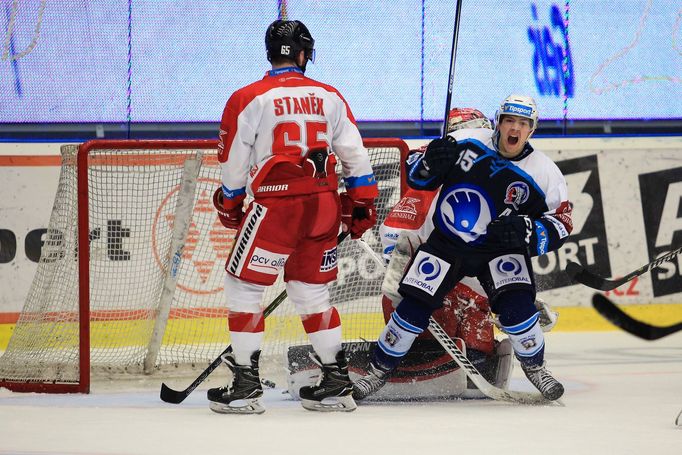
(461, 359)
(620, 319)
(178, 396)
(583, 276)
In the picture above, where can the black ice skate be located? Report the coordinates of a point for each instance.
(243, 396)
(543, 380)
(370, 383)
(333, 391)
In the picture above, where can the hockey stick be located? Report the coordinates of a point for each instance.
(678, 421)
(460, 358)
(580, 275)
(178, 396)
(620, 319)
(451, 75)
(472, 373)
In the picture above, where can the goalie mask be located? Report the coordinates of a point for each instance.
(286, 39)
(465, 117)
(519, 106)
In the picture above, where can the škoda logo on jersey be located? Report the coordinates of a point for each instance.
(207, 246)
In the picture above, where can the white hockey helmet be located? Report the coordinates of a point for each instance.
(467, 117)
(520, 106)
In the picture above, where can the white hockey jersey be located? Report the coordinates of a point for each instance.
(280, 119)
(484, 185)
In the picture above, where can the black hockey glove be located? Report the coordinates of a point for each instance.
(510, 232)
(440, 155)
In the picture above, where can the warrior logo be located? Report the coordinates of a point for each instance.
(517, 194)
(246, 236)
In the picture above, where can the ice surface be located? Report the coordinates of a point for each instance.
(622, 397)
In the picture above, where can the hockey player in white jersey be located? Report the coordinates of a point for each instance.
(279, 141)
(500, 202)
(465, 314)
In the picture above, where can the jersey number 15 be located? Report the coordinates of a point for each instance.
(466, 159)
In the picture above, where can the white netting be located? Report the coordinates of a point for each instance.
(133, 196)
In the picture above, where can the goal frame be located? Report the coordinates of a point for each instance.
(83, 220)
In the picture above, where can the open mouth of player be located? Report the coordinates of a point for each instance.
(512, 140)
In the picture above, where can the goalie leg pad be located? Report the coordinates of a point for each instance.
(476, 327)
(505, 363)
(396, 267)
(548, 317)
(425, 373)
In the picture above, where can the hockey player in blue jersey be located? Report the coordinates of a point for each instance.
(501, 202)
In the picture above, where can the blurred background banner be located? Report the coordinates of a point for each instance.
(136, 61)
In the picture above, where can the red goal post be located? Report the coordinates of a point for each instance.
(146, 295)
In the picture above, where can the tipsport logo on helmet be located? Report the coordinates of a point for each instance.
(465, 212)
(517, 109)
(426, 273)
(509, 269)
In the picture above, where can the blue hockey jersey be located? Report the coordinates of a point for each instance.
(481, 185)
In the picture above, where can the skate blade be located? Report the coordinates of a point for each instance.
(251, 406)
(331, 404)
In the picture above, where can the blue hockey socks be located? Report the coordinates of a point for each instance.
(519, 320)
(408, 320)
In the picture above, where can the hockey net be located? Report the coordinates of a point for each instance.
(147, 295)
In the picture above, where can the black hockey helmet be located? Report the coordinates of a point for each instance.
(285, 39)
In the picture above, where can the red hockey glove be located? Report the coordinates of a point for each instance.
(231, 218)
(357, 216)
